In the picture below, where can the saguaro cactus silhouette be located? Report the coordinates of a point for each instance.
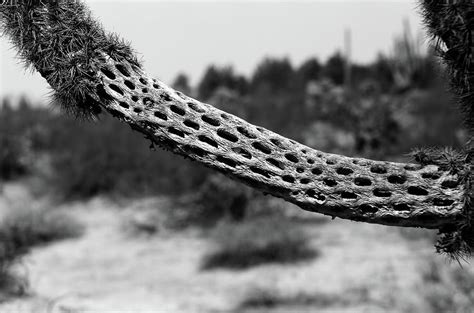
(92, 71)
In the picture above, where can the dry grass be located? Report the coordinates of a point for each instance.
(259, 241)
(20, 230)
(268, 299)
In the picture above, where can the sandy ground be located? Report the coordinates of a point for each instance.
(111, 270)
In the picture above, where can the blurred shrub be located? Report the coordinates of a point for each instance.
(216, 77)
(273, 74)
(12, 156)
(256, 242)
(261, 299)
(13, 145)
(20, 231)
(217, 198)
(90, 158)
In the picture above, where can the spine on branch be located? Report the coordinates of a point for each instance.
(451, 24)
(92, 71)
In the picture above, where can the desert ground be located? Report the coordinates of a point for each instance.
(359, 267)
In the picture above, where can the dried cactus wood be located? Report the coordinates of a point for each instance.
(92, 71)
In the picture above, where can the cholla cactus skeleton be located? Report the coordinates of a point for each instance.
(92, 71)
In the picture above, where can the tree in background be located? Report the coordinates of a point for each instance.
(273, 74)
(334, 68)
(216, 77)
(181, 83)
(13, 146)
(310, 70)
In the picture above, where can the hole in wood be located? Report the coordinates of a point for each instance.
(195, 151)
(277, 143)
(227, 161)
(262, 147)
(208, 141)
(211, 120)
(160, 115)
(417, 191)
(378, 169)
(291, 157)
(367, 208)
(122, 70)
(196, 107)
(442, 202)
(108, 73)
(178, 110)
(191, 124)
(124, 105)
(227, 135)
(166, 97)
(305, 181)
(116, 88)
(242, 152)
(103, 93)
(129, 85)
(449, 184)
(276, 163)
(176, 132)
(247, 133)
(260, 171)
(362, 181)
(401, 207)
(344, 171)
(382, 193)
(330, 182)
(348, 195)
(397, 179)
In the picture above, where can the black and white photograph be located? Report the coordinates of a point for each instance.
(241, 156)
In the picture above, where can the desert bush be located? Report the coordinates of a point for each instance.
(23, 229)
(12, 154)
(90, 159)
(13, 146)
(256, 242)
(217, 198)
(260, 298)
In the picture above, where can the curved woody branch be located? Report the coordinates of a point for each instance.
(92, 71)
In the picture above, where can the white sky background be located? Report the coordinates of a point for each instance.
(187, 36)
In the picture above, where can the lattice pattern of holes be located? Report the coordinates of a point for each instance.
(264, 159)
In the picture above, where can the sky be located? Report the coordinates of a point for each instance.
(186, 36)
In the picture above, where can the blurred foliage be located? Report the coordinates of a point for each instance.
(93, 158)
(13, 145)
(181, 83)
(215, 77)
(23, 229)
(334, 69)
(272, 75)
(258, 241)
(217, 198)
